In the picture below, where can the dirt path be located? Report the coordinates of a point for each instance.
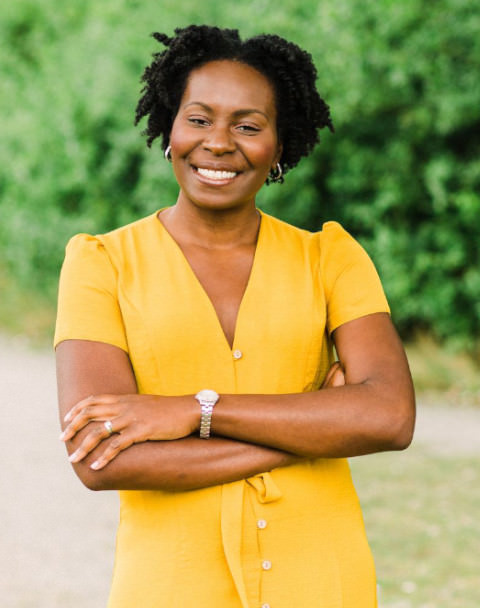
(57, 538)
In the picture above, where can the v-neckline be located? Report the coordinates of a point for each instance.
(201, 288)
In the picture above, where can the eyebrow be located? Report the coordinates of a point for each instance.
(240, 112)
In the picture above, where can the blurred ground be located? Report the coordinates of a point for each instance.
(57, 538)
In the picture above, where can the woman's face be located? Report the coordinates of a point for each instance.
(224, 136)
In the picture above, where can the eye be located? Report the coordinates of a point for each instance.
(198, 120)
(248, 128)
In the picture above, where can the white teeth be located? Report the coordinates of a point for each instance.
(216, 174)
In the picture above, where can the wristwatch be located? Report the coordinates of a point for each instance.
(207, 400)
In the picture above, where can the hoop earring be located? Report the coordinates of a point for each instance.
(277, 176)
(168, 156)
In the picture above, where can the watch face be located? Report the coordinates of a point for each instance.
(207, 395)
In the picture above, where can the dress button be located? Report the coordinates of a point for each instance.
(266, 564)
(261, 524)
(237, 354)
(265, 606)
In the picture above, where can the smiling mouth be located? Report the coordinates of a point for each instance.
(216, 175)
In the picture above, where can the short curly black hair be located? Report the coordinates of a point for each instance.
(300, 109)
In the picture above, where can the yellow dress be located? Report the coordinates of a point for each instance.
(289, 538)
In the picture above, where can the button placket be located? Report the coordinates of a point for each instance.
(266, 564)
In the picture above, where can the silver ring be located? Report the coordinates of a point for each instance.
(108, 425)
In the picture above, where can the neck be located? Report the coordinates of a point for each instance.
(213, 229)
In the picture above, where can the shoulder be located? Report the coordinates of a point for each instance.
(285, 235)
(332, 240)
(339, 251)
(131, 234)
(333, 231)
(116, 244)
(337, 243)
(281, 227)
(350, 280)
(330, 232)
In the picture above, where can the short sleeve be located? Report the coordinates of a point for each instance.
(351, 283)
(88, 307)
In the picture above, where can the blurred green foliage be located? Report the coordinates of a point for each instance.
(402, 171)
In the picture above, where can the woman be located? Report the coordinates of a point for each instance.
(192, 347)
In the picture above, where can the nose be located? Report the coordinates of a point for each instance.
(219, 140)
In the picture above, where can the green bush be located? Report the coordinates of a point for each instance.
(402, 172)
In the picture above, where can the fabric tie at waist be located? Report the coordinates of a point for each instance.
(232, 522)
(267, 490)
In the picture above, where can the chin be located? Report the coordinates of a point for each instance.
(212, 205)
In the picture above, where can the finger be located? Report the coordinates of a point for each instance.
(77, 407)
(331, 373)
(118, 444)
(93, 438)
(89, 413)
(91, 400)
(338, 378)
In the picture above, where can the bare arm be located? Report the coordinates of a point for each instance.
(87, 368)
(373, 412)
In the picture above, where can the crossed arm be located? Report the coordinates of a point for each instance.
(368, 406)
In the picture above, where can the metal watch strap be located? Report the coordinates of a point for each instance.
(206, 419)
(207, 400)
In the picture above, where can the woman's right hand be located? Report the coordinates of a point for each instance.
(132, 418)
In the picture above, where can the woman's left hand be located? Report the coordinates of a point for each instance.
(335, 376)
(132, 419)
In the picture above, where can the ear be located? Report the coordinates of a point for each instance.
(278, 156)
(279, 152)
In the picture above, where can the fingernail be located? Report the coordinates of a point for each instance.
(73, 457)
(95, 465)
(67, 417)
(62, 436)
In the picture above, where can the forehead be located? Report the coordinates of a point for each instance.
(229, 83)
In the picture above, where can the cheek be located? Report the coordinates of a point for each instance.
(177, 139)
(265, 155)
(181, 137)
